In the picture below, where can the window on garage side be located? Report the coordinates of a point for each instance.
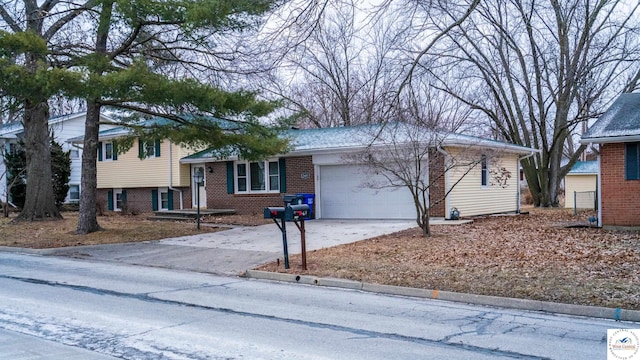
(632, 161)
(257, 177)
(484, 164)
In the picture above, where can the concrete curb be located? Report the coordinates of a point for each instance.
(522, 304)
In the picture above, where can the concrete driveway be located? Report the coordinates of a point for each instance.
(233, 251)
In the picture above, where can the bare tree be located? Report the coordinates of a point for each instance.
(411, 153)
(537, 69)
(346, 70)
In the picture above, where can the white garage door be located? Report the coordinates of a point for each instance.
(344, 196)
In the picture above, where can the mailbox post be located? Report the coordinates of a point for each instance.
(276, 213)
(290, 212)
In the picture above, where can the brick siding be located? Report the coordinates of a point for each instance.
(250, 204)
(620, 198)
(437, 186)
(139, 200)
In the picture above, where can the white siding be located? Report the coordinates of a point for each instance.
(471, 198)
(63, 128)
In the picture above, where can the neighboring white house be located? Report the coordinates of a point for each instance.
(63, 127)
(581, 185)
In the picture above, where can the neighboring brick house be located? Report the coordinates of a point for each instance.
(617, 132)
(321, 164)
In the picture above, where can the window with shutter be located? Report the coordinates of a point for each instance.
(257, 177)
(632, 161)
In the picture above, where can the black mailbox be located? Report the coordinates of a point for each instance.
(296, 212)
(274, 213)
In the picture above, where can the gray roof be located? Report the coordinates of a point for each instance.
(338, 139)
(584, 167)
(620, 123)
(124, 130)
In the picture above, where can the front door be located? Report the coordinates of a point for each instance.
(198, 189)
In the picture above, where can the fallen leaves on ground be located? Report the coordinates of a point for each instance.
(117, 229)
(532, 256)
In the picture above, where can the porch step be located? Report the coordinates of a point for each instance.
(188, 214)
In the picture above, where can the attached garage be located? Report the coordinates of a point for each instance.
(343, 194)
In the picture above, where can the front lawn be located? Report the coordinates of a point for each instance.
(526, 256)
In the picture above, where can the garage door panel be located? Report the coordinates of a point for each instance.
(343, 195)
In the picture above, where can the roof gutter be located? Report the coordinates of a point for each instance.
(611, 139)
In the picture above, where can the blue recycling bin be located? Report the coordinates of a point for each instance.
(308, 199)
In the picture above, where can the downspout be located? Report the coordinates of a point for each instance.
(599, 189)
(519, 188)
(447, 211)
(171, 177)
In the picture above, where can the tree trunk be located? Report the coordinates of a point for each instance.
(87, 218)
(426, 226)
(40, 201)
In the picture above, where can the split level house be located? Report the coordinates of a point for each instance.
(321, 165)
(147, 177)
(617, 134)
(63, 128)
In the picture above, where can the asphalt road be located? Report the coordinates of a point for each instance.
(135, 312)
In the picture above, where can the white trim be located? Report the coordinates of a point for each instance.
(267, 177)
(69, 199)
(316, 171)
(610, 139)
(104, 151)
(162, 190)
(484, 160)
(203, 187)
(116, 192)
(343, 150)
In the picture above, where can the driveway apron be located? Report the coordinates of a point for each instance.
(235, 250)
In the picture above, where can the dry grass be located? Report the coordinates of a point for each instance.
(117, 229)
(528, 256)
